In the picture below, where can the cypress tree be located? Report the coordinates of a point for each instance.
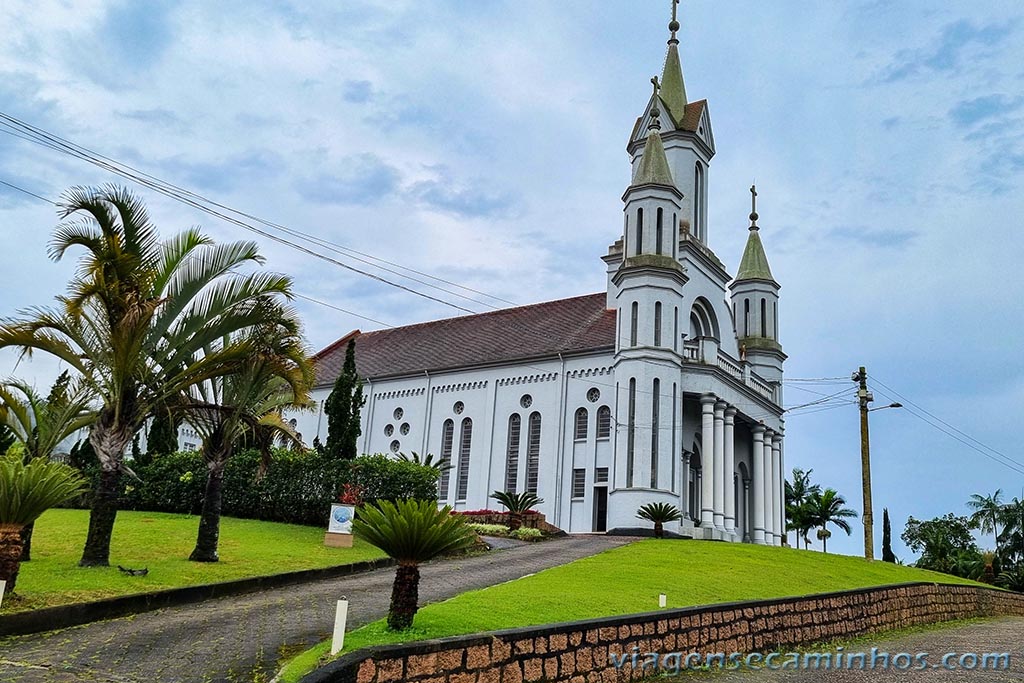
(163, 434)
(342, 408)
(887, 554)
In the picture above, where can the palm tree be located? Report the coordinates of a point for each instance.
(827, 507)
(441, 464)
(1011, 539)
(41, 424)
(411, 532)
(249, 404)
(136, 321)
(659, 513)
(26, 492)
(517, 504)
(987, 513)
(797, 493)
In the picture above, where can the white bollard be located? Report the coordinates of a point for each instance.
(340, 617)
(662, 600)
(3, 587)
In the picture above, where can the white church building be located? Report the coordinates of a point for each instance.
(666, 388)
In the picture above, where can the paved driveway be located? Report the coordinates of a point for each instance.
(241, 639)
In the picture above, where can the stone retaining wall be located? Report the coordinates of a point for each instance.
(578, 652)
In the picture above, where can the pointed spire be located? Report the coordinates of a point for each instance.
(673, 90)
(754, 264)
(654, 164)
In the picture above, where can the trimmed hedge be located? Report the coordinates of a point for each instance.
(298, 486)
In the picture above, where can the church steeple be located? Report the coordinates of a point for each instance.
(673, 89)
(653, 166)
(754, 264)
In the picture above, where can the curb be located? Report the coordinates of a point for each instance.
(65, 616)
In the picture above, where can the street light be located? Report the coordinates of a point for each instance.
(864, 397)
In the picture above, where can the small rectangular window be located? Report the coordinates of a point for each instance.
(601, 475)
(579, 483)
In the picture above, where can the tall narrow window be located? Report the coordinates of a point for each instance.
(639, 231)
(673, 233)
(659, 234)
(625, 236)
(604, 422)
(675, 328)
(655, 409)
(634, 315)
(746, 317)
(657, 323)
(512, 453)
(580, 430)
(579, 483)
(447, 434)
(533, 453)
(672, 481)
(698, 201)
(775, 319)
(631, 433)
(464, 448)
(764, 318)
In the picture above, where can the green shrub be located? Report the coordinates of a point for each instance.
(489, 529)
(527, 534)
(379, 477)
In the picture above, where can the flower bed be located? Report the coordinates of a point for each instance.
(530, 519)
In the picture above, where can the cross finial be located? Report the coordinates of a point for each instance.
(753, 207)
(655, 111)
(673, 25)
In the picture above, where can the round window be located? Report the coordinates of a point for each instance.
(399, 413)
(389, 430)
(404, 428)
(395, 446)
(459, 407)
(526, 401)
(593, 395)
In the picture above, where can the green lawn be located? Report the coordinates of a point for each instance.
(628, 580)
(162, 543)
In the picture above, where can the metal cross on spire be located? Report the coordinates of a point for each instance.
(673, 25)
(753, 207)
(655, 111)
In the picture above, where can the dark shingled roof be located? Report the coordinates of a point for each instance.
(573, 325)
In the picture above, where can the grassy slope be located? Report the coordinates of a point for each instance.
(162, 542)
(628, 580)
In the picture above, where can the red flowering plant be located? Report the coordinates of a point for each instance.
(351, 494)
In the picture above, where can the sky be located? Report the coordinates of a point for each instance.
(484, 143)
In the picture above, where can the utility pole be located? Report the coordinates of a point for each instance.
(864, 397)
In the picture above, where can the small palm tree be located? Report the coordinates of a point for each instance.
(249, 403)
(40, 424)
(411, 532)
(827, 507)
(26, 492)
(1012, 579)
(135, 322)
(660, 514)
(441, 464)
(987, 513)
(517, 504)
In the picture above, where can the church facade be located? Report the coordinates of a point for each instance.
(666, 387)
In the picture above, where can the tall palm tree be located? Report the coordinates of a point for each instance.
(797, 493)
(136, 320)
(26, 492)
(827, 507)
(987, 513)
(1011, 538)
(247, 404)
(40, 423)
(411, 532)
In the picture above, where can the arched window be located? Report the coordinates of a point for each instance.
(447, 434)
(674, 234)
(631, 433)
(604, 422)
(533, 453)
(675, 328)
(764, 318)
(746, 317)
(698, 201)
(580, 424)
(657, 323)
(512, 453)
(655, 429)
(634, 315)
(625, 236)
(775, 319)
(639, 231)
(703, 319)
(659, 235)
(465, 440)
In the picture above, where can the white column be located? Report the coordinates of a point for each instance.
(757, 489)
(778, 481)
(707, 463)
(769, 491)
(720, 466)
(730, 468)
